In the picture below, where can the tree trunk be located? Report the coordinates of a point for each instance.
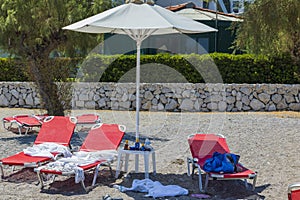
(42, 75)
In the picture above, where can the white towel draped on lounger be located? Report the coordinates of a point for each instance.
(46, 149)
(72, 164)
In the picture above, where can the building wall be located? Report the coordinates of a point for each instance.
(164, 97)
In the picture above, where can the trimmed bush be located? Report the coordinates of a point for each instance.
(11, 71)
(215, 67)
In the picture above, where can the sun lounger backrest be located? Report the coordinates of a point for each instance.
(57, 129)
(203, 146)
(103, 137)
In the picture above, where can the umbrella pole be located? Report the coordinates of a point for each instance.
(138, 51)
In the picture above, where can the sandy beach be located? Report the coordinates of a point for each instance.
(267, 143)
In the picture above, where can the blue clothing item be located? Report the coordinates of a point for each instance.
(221, 163)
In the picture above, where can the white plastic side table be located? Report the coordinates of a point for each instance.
(146, 155)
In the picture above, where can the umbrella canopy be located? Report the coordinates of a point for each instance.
(138, 21)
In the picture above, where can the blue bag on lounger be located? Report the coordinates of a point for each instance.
(221, 163)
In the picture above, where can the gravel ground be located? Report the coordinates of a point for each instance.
(267, 143)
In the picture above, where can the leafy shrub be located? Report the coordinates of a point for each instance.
(195, 68)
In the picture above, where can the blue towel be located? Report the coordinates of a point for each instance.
(221, 163)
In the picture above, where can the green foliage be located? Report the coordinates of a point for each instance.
(11, 71)
(271, 28)
(194, 68)
(210, 68)
(15, 70)
(31, 30)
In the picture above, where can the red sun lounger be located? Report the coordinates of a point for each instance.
(100, 138)
(88, 119)
(202, 147)
(294, 191)
(56, 129)
(25, 123)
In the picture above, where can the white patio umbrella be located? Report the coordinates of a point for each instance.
(138, 21)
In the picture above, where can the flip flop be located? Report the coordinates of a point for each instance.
(108, 197)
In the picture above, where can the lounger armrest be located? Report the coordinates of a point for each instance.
(294, 186)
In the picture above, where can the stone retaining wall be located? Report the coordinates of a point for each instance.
(164, 96)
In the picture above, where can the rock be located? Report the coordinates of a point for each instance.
(271, 89)
(289, 98)
(246, 108)
(166, 90)
(198, 104)
(213, 98)
(79, 104)
(124, 97)
(245, 100)
(272, 107)
(229, 107)
(160, 107)
(8, 96)
(186, 94)
(187, 105)
(238, 96)
(282, 105)
(125, 105)
(239, 105)
(276, 98)
(13, 101)
(256, 104)
(90, 105)
(294, 106)
(96, 98)
(83, 97)
(154, 101)
(114, 105)
(15, 93)
(171, 105)
(247, 91)
(147, 105)
(3, 101)
(265, 98)
(163, 99)
(29, 100)
(212, 106)
(149, 95)
(230, 100)
(222, 105)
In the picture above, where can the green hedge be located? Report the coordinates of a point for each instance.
(10, 71)
(195, 68)
(199, 68)
(15, 70)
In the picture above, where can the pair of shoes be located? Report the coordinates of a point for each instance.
(108, 197)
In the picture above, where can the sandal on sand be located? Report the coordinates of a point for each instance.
(108, 197)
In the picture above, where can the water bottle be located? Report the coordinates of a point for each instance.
(126, 146)
(137, 144)
(148, 145)
(143, 147)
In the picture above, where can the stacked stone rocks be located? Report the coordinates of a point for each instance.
(18, 94)
(165, 96)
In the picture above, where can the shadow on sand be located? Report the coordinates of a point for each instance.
(217, 190)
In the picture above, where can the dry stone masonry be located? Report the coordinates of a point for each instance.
(164, 96)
